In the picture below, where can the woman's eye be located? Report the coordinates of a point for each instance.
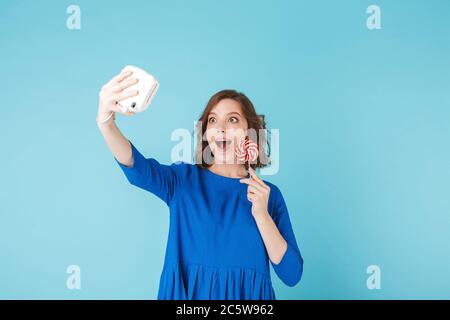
(234, 120)
(211, 120)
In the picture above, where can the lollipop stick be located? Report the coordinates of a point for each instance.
(247, 165)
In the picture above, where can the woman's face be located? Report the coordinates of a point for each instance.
(226, 126)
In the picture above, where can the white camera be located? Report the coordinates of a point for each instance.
(147, 86)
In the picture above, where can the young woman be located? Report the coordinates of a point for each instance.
(225, 225)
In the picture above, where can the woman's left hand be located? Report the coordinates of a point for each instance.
(257, 193)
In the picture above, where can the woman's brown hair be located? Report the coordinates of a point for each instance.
(255, 122)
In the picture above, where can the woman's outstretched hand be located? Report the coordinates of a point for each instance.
(257, 193)
(114, 91)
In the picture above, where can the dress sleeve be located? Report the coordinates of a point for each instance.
(150, 175)
(290, 268)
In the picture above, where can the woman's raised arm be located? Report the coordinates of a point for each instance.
(114, 91)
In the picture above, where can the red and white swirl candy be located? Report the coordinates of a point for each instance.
(246, 150)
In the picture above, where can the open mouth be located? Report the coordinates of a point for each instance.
(223, 145)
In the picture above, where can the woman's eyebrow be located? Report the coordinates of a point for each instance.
(234, 112)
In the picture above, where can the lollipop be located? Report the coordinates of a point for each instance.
(246, 150)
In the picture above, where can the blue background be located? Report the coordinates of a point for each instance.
(363, 118)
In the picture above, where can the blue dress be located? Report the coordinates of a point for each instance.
(214, 248)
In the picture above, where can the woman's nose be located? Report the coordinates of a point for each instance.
(220, 127)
